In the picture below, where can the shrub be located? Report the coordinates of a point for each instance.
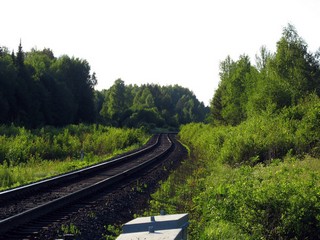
(270, 202)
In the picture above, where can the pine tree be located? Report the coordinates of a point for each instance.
(20, 62)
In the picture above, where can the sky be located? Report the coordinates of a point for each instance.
(162, 42)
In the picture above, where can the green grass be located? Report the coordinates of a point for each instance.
(29, 156)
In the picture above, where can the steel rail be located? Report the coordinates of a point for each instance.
(35, 213)
(36, 186)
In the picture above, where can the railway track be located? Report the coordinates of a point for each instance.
(30, 203)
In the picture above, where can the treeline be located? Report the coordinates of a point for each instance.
(149, 105)
(37, 89)
(278, 80)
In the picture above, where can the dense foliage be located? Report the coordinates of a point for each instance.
(39, 89)
(27, 155)
(236, 198)
(254, 172)
(151, 106)
(278, 80)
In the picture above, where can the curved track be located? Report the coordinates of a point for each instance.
(24, 204)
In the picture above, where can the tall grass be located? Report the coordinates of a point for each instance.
(27, 156)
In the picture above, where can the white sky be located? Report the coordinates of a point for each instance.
(163, 42)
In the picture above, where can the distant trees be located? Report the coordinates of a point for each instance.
(278, 80)
(150, 105)
(75, 75)
(37, 89)
(114, 106)
(7, 90)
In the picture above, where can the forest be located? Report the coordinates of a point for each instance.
(254, 168)
(254, 171)
(38, 89)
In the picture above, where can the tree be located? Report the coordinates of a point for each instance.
(151, 106)
(23, 91)
(74, 73)
(20, 61)
(216, 106)
(230, 103)
(143, 99)
(38, 89)
(8, 77)
(40, 63)
(279, 80)
(262, 59)
(114, 106)
(294, 65)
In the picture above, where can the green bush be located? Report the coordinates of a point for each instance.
(275, 202)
